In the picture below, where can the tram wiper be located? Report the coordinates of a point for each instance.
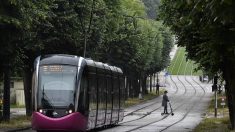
(46, 102)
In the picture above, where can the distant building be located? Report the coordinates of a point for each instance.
(16, 91)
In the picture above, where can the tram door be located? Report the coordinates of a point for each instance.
(109, 98)
(122, 97)
(101, 96)
(92, 84)
(115, 93)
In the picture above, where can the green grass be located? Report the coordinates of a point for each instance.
(181, 66)
(17, 106)
(220, 108)
(18, 122)
(133, 101)
(212, 124)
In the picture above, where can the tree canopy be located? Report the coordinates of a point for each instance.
(114, 32)
(206, 29)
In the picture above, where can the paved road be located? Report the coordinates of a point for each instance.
(189, 99)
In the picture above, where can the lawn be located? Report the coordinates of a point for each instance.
(181, 66)
(212, 124)
(151, 95)
(16, 123)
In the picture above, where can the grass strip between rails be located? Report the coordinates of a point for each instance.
(181, 66)
(151, 95)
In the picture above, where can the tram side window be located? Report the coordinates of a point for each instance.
(116, 94)
(109, 91)
(92, 91)
(82, 103)
(122, 92)
(101, 85)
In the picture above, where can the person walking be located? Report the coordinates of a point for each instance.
(164, 102)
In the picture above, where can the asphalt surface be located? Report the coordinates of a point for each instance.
(189, 99)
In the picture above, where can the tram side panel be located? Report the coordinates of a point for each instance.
(122, 97)
(92, 92)
(106, 97)
(109, 98)
(115, 93)
(83, 104)
(101, 97)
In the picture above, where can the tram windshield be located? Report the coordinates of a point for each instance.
(56, 86)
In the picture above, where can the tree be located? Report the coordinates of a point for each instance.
(17, 20)
(11, 30)
(33, 40)
(115, 32)
(152, 8)
(206, 29)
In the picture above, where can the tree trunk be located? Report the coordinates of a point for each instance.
(126, 88)
(6, 94)
(230, 93)
(229, 102)
(27, 90)
(131, 94)
(229, 76)
(139, 89)
(154, 79)
(144, 85)
(150, 80)
(135, 87)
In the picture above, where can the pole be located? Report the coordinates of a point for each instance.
(223, 103)
(140, 94)
(216, 104)
(165, 80)
(85, 40)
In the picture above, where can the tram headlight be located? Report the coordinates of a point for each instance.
(69, 111)
(40, 110)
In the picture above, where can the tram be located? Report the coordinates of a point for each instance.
(75, 94)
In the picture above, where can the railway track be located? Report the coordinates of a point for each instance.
(164, 117)
(185, 97)
(155, 109)
(185, 115)
(149, 105)
(188, 110)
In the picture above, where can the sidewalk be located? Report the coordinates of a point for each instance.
(17, 112)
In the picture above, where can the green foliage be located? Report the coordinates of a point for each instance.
(115, 32)
(133, 8)
(152, 8)
(203, 28)
(206, 29)
(133, 42)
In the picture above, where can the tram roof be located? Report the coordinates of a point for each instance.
(74, 60)
(59, 59)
